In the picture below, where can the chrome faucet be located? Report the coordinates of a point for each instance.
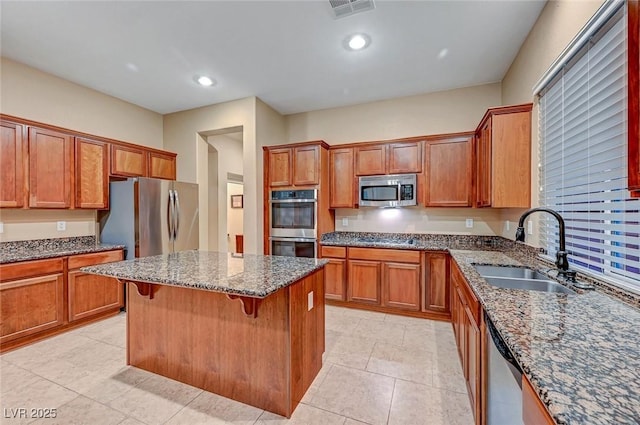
(562, 263)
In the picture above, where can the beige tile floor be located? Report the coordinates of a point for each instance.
(378, 369)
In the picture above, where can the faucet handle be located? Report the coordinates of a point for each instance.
(569, 275)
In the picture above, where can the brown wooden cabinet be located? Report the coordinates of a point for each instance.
(389, 158)
(364, 281)
(92, 174)
(306, 165)
(335, 272)
(436, 292)
(280, 167)
(50, 168)
(162, 166)
(503, 157)
(89, 294)
(342, 181)
(466, 318)
(533, 410)
(449, 171)
(128, 161)
(13, 152)
(401, 285)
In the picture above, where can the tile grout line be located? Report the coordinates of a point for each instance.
(393, 393)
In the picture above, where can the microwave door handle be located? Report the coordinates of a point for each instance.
(177, 216)
(170, 214)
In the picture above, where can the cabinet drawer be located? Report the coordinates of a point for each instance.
(82, 260)
(25, 269)
(333, 251)
(384, 254)
(468, 297)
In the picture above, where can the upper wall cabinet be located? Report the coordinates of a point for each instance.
(13, 152)
(503, 158)
(389, 158)
(449, 170)
(342, 183)
(633, 97)
(162, 166)
(297, 165)
(50, 168)
(92, 174)
(128, 161)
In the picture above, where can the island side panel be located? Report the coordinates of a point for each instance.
(307, 334)
(204, 339)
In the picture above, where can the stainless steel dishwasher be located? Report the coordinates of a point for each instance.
(504, 381)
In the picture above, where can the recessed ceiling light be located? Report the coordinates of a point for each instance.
(357, 41)
(205, 81)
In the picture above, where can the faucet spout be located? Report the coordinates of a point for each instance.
(562, 262)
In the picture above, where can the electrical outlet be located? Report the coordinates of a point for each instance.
(1, 227)
(62, 226)
(530, 227)
(507, 225)
(468, 223)
(345, 222)
(309, 301)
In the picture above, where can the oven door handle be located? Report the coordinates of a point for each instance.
(291, 201)
(271, 238)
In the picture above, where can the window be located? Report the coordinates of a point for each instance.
(583, 156)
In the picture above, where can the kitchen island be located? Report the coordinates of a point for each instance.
(250, 328)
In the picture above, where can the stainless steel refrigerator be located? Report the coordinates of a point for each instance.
(151, 216)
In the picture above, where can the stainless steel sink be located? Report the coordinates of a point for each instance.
(520, 278)
(513, 272)
(528, 284)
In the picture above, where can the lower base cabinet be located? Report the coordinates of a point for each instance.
(364, 281)
(37, 298)
(401, 284)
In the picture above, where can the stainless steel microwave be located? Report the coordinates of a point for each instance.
(397, 190)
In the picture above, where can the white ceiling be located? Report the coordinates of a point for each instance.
(288, 53)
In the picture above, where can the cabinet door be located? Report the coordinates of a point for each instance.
(92, 174)
(448, 172)
(401, 286)
(472, 351)
(280, 167)
(483, 165)
(31, 305)
(162, 166)
(364, 281)
(334, 279)
(371, 160)
(342, 178)
(306, 165)
(91, 294)
(128, 161)
(12, 156)
(405, 157)
(436, 282)
(50, 168)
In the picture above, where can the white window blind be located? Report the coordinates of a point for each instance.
(583, 152)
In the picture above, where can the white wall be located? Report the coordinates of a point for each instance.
(37, 96)
(229, 159)
(235, 216)
(558, 24)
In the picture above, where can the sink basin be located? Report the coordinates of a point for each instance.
(528, 284)
(512, 272)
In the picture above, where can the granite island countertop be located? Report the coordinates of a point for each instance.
(581, 352)
(13, 252)
(249, 275)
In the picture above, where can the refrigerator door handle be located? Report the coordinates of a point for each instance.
(176, 227)
(170, 216)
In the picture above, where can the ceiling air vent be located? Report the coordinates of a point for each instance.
(342, 8)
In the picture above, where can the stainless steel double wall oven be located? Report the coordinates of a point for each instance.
(293, 218)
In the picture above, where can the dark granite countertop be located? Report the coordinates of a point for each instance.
(581, 352)
(249, 275)
(13, 252)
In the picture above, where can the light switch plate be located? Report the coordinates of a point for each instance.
(309, 301)
(468, 223)
(1, 227)
(530, 227)
(61, 226)
(508, 225)
(345, 222)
